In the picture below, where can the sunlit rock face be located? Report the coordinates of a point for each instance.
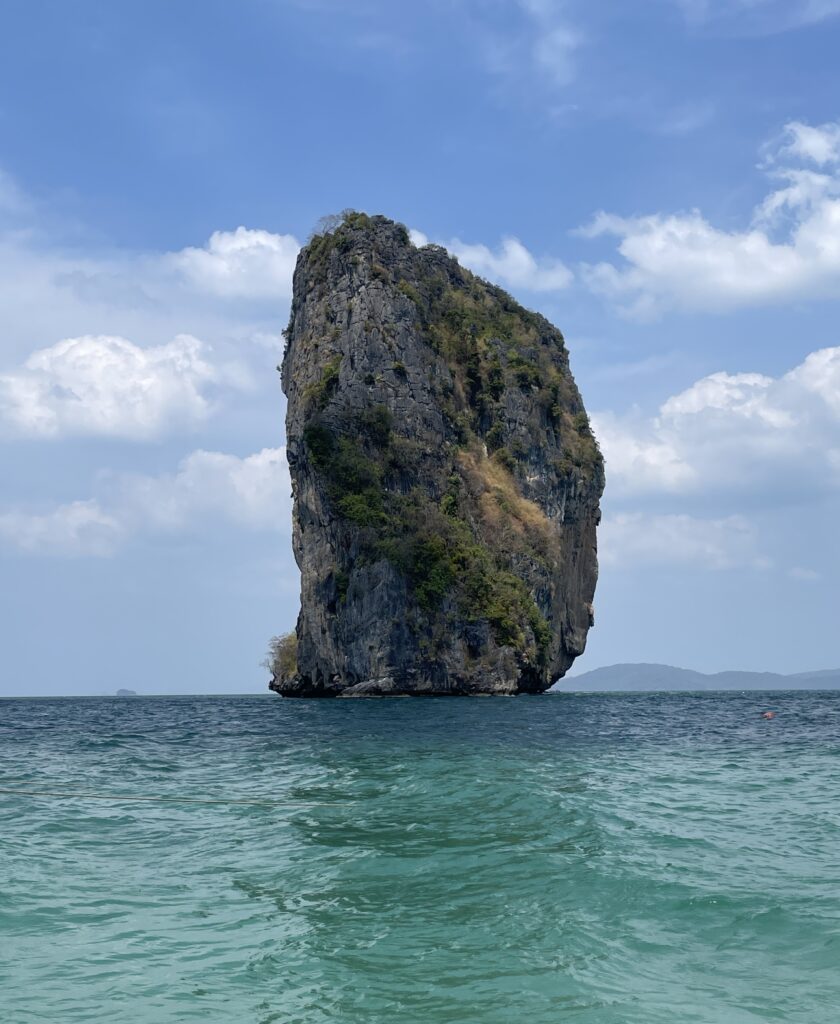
(445, 478)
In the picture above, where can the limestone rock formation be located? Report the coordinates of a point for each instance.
(446, 482)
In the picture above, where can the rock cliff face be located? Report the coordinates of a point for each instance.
(445, 479)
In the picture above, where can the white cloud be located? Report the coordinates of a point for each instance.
(252, 492)
(819, 374)
(554, 52)
(633, 539)
(742, 433)
(75, 529)
(820, 144)
(245, 263)
(208, 490)
(805, 575)
(12, 198)
(640, 457)
(107, 386)
(686, 118)
(681, 260)
(760, 15)
(512, 264)
(720, 461)
(232, 288)
(536, 49)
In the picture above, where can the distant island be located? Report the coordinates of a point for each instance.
(642, 677)
(126, 693)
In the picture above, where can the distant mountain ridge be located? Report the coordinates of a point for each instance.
(667, 677)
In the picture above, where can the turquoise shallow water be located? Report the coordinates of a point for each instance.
(600, 859)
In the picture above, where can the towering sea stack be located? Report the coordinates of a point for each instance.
(445, 478)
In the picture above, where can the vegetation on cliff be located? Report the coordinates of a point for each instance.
(281, 659)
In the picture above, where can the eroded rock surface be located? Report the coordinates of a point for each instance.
(446, 482)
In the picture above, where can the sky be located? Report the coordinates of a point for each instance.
(660, 179)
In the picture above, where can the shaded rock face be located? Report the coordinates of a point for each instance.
(446, 483)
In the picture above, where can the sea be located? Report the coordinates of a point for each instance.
(594, 858)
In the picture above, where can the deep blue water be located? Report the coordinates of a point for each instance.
(601, 859)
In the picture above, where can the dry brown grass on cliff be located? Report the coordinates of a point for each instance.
(502, 506)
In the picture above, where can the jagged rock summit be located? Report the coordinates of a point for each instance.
(446, 482)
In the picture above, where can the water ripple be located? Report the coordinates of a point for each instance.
(636, 859)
